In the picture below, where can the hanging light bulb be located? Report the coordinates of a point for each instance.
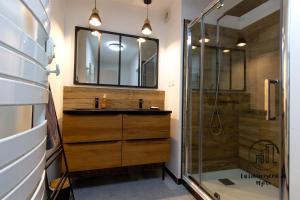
(95, 19)
(147, 30)
(241, 42)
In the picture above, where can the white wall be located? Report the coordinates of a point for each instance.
(116, 17)
(294, 52)
(57, 33)
(171, 82)
(172, 70)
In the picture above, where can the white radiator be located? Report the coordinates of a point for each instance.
(24, 92)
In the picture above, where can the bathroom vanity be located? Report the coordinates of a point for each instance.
(108, 138)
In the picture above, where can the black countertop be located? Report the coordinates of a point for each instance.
(87, 111)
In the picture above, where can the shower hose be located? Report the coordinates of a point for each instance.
(215, 125)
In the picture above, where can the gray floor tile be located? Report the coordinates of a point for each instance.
(141, 189)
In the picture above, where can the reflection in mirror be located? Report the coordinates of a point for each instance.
(149, 63)
(238, 62)
(210, 68)
(130, 62)
(109, 58)
(87, 57)
(115, 59)
(225, 70)
(195, 63)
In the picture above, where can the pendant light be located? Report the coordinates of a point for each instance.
(241, 42)
(147, 30)
(95, 19)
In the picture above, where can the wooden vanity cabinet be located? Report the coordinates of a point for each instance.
(105, 141)
(145, 139)
(137, 127)
(91, 128)
(141, 152)
(89, 156)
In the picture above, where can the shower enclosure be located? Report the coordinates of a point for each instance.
(232, 117)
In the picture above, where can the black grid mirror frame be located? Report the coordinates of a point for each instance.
(120, 35)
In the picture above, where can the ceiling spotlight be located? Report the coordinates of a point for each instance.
(241, 42)
(226, 50)
(146, 29)
(206, 39)
(95, 19)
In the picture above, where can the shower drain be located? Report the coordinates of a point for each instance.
(226, 181)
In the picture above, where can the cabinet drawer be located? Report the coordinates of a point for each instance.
(89, 156)
(139, 152)
(146, 126)
(91, 128)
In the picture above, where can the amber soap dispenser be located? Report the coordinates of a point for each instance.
(103, 102)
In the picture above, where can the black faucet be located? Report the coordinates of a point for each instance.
(141, 101)
(96, 102)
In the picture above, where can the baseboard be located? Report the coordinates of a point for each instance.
(178, 181)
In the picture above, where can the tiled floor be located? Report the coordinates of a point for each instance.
(151, 188)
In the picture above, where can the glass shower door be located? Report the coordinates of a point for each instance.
(192, 144)
(232, 130)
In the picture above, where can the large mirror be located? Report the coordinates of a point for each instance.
(114, 59)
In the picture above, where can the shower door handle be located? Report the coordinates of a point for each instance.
(268, 83)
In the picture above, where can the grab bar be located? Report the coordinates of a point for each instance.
(268, 83)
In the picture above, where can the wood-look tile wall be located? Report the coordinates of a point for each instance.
(259, 137)
(263, 57)
(242, 128)
(256, 135)
(84, 97)
(218, 152)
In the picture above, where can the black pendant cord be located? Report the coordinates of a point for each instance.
(95, 5)
(147, 2)
(147, 11)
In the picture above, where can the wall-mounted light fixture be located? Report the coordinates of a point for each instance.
(241, 42)
(147, 30)
(95, 19)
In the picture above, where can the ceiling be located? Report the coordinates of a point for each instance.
(157, 5)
